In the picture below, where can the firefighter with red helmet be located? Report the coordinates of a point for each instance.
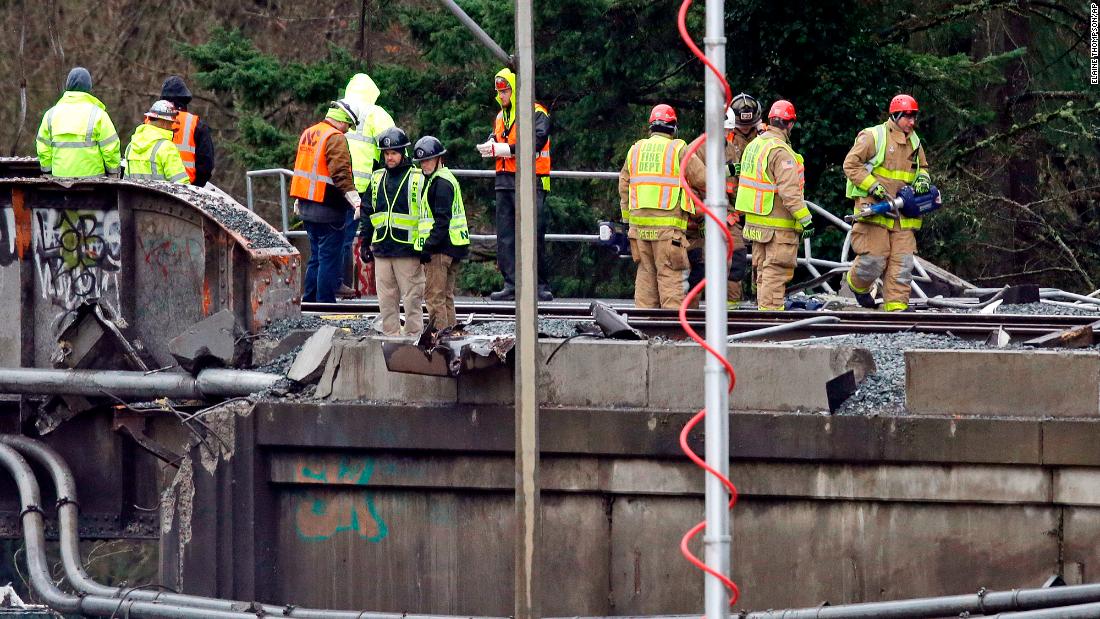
(884, 159)
(770, 194)
(743, 123)
(657, 209)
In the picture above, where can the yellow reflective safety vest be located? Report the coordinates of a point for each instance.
(409, 223)
(656, 198)
(152, 155)
(77, 138)
(876, 169)
(458, 232)
(756, 189)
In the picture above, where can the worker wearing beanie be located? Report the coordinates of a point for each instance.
(324, 190)
(770, 194)
(501, 147)
(77, 138)
(884, 159)
(189, 133)
(658, 210)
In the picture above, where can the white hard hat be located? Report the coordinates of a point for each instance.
(164, 110)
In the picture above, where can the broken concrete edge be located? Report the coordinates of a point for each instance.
(214, 340)
(311, 360)
(606, 374)
(1003, 383)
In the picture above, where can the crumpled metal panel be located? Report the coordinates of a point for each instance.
(440, 353)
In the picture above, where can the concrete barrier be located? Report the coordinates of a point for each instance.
(1003, 382)
(769, 377)
(609, 374)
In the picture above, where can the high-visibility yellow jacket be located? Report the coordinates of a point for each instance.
(372, 121)
(770, 167)
(152, 155)
(77, 138)
(884, 154)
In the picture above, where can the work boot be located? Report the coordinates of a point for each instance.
(345, 292)
(545, 294)
(865, 299)
(507, 294)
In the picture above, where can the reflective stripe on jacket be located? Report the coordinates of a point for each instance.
(757, 189)
(151, 155)
(407, 220)
(77, 138)
(458, 232)
(183, 136)
(311, 174)
(892, 179)
(505, 131)
(656, 198)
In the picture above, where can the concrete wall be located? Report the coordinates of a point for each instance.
(607, 374)
(409, 508)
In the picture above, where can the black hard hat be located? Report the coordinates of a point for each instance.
(427, 147)
(393, 138)
(744, 111)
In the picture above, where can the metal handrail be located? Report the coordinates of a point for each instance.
(809, 261)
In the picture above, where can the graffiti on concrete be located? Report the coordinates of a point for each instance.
(77, 255)
(15, 231)
(321, 515)
(168, 251)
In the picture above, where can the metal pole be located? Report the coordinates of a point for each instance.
(121, 383)
(527, 397)
(480, 34)
(716, 539)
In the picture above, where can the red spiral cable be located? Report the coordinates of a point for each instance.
(735, 591)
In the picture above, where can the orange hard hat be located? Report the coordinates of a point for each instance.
(903, 103)
(783, 110)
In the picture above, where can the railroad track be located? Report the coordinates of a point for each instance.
(664, 322)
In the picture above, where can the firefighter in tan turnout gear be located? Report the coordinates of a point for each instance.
(770, 194)
(884, 159)
(658, 210)
(743, 123)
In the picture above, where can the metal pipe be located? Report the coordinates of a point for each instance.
(479, 34)
(68, 517)
(1079, 611)
(573, 174)
(248, 191)
(578, 238)
(717, 535)
(1062, 294)
(283, 204)
(790, 326)
(981, 603)
(836, 221)
(209, 383)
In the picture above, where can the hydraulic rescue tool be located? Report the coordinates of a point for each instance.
(908, 203)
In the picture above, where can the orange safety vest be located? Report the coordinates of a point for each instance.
(310, 166)
(504, 133)
(183, 135)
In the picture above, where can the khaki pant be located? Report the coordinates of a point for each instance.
(886, 253)
(439, 292)
(661, 256)
(400, 280)
(774, 256)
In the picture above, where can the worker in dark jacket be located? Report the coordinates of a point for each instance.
(324, 189)
(449, 238)
(393, 232)
(190, 134)
(501, 147)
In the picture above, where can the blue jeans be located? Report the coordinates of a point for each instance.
(323, 270)
(350, 228)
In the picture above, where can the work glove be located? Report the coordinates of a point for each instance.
(495, 149)
(807, 227)
(878, 192)
(734, 168)
(486, 149)
(922, 184)
(365, 254)
(353, 199)
(425, 258)
(297, 209)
